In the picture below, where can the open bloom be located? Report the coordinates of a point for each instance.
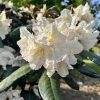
(6, 57)
(84, 12)
(75, 26)
(33, 51)
(4, 25)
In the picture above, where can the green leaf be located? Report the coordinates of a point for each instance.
(1, 71)
(69, 80)
(79, 58)
(22, 82)
(91, 56)
(14, 76)
(28, 26)
(32, 95)
(9, 71)
(1, 43)
(74, 71)
(16, 19)
(84, 69)
(92, 75)
(49, 87)
(33, 77)
(91, 64)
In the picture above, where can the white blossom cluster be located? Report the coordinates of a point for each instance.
(11, 95)
(7, 58)
(55, 44)
(4, 25)
(7, 4)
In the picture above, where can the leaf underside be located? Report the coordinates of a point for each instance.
(49, 87)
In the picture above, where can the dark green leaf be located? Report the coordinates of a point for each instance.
(9, 71)
(34, 76)
(79, 58)
(49, 87)
(1, 43)
(84, 69)
(69, 80)
(32, 95)
(1, 71)
(91, 56)
(16, 19)
(22, 82)
(16, 29)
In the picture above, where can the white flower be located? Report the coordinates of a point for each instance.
(11, 95)
(3, 31)
(4, 25)
(69, 59)
(31, 50)
(88, 35)
(6, 22)
(66, 15)
(6, 57)
(9, 49)
(30, 21)
(39, 27)
(84, 12)
(8, 4)
(25, 9)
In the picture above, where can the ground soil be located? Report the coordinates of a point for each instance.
(89, 89)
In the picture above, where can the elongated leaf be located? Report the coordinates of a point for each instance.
(69, 80)
(32, 95)
(84, 69)
(79, 58)
(50, 87)
(16, 19)
(1, 43)
(33, 77)
(91, 64)
(22, 82)
(28, 26)
(92, 75)
(14, 76)
(9, 71)
(1, 71)
(91, 56)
